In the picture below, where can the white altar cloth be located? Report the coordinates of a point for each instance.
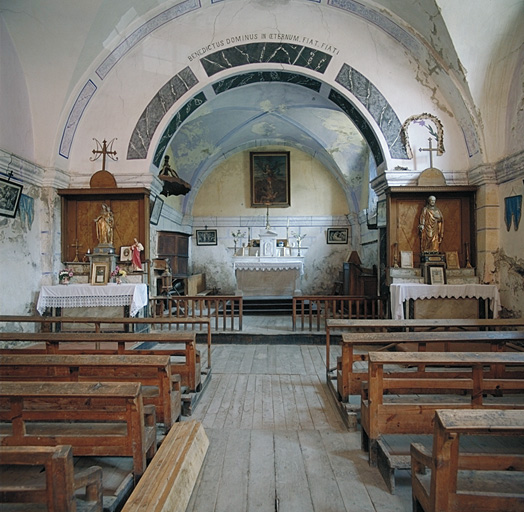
(268, 264)
(87, 296)
(402, 292)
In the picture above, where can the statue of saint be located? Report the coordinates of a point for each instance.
(136, 249)
(431, 226)
(105, 224)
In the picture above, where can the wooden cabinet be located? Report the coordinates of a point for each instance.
(175, 248)
(80, 208)
(404, 207)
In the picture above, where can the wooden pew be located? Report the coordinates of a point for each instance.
(57, 485)
(442, 489)
(159, 386)
(170, 478)
(334, 326)
(185, 358)
(349, 378)
(56, 323)
(407, 405)
(96, 419)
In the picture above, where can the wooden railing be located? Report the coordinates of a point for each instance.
(224, 311)
(312, 309)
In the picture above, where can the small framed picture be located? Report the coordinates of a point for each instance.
(406, 259)
(100, 273)
(452, 260)
(126, 253)
(10, 194)
(337, 236)
(437, 275)
(206, 237)
(156, 210)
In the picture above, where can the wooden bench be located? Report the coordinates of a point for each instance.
(55, 486)
(96, 419)
(159, 386)
(168, 482)
(442, 488)
(185, 358)
(423, 324)
(407, 405)
(98, 324)
(349, 378)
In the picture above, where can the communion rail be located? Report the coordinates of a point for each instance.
(222, 310)
(310, 310)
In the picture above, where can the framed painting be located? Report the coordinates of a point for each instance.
(126, 253)
(99, 273)
(156, 210)
(406, 259)
(452, 260)
(10, 194)
(270, 181)
(206, 237)
(437, 275)
(337, 236)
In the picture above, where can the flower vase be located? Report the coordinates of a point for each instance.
(64, 280)
(118, 280)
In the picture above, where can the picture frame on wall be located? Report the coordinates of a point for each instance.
(10, 194)
(156, 210)
(270, 179)
(206, 237)
(99, 274)
(437, 275)
(337, 236)
(381, 214)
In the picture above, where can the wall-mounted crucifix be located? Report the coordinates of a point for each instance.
(104, 149)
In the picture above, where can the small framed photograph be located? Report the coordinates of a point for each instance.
(270, 179)
(156, 210)
(206, 237)
(100, 273)
(437, 275)
(337, 236)
(406, 259)
(125, 253)
(452, 260)
(10, 194)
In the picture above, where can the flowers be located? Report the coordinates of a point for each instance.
(118, 272)
(65, 274)
(238, 234)
(298, 236)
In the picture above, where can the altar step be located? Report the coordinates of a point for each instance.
(269, 306)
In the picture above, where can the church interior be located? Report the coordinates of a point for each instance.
(291, 184)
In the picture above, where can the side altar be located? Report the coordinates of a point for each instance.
(269, 270)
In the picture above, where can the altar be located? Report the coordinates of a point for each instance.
(132, 297)
(402, 293)
(268, 277)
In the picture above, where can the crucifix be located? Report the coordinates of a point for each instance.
(104, 149)
(430, 149)
(76, 245)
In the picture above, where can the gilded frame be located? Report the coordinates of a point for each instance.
(99, 274)
(270, 179)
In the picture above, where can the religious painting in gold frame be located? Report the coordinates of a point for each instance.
(99, 274)
(270, 179)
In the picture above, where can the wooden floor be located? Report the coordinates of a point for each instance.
(277, 442)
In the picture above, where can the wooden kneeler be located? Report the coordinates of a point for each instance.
(170, 478)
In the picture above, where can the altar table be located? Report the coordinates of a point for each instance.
(269, 277)
(403, 292)
(134, 296)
